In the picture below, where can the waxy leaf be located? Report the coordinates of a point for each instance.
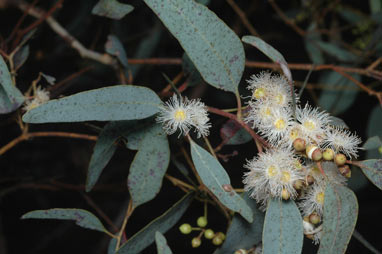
(149, 166)
(146, 236)
(21, 56)
(373, 171)
(314, 52)
(372, 143)
(10, 97)
(270, 52)
(82, 218)
(337, 52)
(115, 47)
(111, 9)
(104, 104)
(112, 245)
(338, 122)
(283, 230)
(241, 234)
(374, 128)
(212, 46)
(340, 217)
(162, 246)
(234, 133)
(217, 181)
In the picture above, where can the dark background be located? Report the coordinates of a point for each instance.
(50, 172)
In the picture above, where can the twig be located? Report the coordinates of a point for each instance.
(285, 18)
(178, 182)
(243, 17)
(27, 136)
(365, 243)
(129, 211)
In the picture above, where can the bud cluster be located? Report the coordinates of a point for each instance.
(306, 150)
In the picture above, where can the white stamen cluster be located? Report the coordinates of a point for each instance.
(40, 97)
(182, 114)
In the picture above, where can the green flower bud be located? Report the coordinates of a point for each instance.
(202, 221)
(299, 144)
(209, 234)
(196, 242)
(340, 159)
(217, 240)
(185, 228)
(328, 154)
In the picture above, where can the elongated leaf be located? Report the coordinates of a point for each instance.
(241, 234)
(112, 9)
(340, 216)
(338, 122)
(374, 128)
(162, 246)
(314, 52)
(270, 52)
(217, 181)
(112, 245)
(373, 171)
(337, 52)
(82, 218)
(372, 143)
(193, 75)
(148, 167)
(212, 46)
(375, 6)
(114, 47)
(283, 231)
(105, 104)
(146, 236)
(234, 133)
(339, 93)
(103, 151)
(21, 56)
(10, 97)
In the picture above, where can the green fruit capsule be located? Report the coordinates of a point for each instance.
(202, 221)
(209, 234)
(185, 228)
(217, 240)
(196, 242)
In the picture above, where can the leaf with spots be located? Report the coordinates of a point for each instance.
(283, 231)
(212, 46)
(112, 9)
(82, 218)
(241, 234)
(217, 181)
(10, 97)
(112, 103)
(162, 246)
(146, 236)
(149, 166)
(372, 169)
(340, 217)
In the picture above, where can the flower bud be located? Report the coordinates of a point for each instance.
(299, 144)
(309, 179)
(340, 159)
(185, 228)
(196, 242)
(345, 171)
(328, 154)
(241, 251)
(209, 234)
(380, 149)
(314, 218)
(285, 194)
(217, 240)
(298, 184)
(313, 152)
(221, 235)
(202, 221)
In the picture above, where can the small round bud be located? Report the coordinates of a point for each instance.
(185, 228)
(241, 251)
(340, 159)
(196, 242)
(306, 218)
(310, 236)
(217, 240)
(299, 144)
(345, 171)
(221, 235)
(285, 194)
(328, 154)
(310, 179)
(202, 221)
(313, 153)
(298, 184)
(209, 234)
(380, 149)
(314, 218)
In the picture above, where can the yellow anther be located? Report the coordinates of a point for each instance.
(272, 171)
(279, 124)
(309, 125)
(320, 198)
(285, 176)
(180, 115)
(259, 93)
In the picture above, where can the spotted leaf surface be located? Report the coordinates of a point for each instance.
(112, 9)
(373, 171)
(162, 246)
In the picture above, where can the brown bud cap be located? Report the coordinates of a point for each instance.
(345, 171)
(298, 184)
(306, 218)
(313, 152)
(310, 179)
(328, 154)
(314, 218)
(285, 194)
(299, 144)
(340, 159)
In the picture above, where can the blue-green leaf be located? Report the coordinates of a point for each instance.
(162, 246)
(112, 246)
(283, 231)
(373, 171)
(338, 122)
(10, 97)
(372, 143)
(104, 104)
(270, 52)
(375, 6)
(193, 75)
(212, 46)
(340, 216)
(146, 236)
(241, 234)
(102, 153)
(337, 52)
(234, 133)
(114, 47)
(374, 128)
(111, 9)
(82, 218)
(21, 56)
(149, 166)
(314, 52)
(217, 181)
(339, 92)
